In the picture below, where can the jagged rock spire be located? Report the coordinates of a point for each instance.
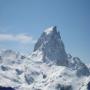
(52, 47)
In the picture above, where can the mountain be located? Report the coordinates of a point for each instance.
(52, 47)
(76, 64)
(49, 67)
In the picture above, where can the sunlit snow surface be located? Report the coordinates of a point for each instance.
(49, 30)
(45, 76)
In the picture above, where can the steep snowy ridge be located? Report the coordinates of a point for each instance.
(52, 47)
(76, 64)
(49, 67)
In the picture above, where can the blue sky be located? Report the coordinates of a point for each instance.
(23, 21)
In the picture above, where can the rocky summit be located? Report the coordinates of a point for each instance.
(52, 47)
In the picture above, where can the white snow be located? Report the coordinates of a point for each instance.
(49, 30)
(45, 76)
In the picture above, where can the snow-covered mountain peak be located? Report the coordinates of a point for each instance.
(52, 47)
(51, 29)
(50, 34)
(49, 67)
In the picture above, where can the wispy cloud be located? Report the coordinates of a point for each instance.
(22, 38)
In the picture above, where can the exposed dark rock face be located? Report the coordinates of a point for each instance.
(19, 72)
(6, 88)
(63, 87)
(44, 76)
(23, 57)
(0, 59)
(76, 64)
(83, 71)
(29, 79)
(88, 86)
(4, 68)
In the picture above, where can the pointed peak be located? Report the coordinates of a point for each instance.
(50, 30)
(52, 47)
(49, 35)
